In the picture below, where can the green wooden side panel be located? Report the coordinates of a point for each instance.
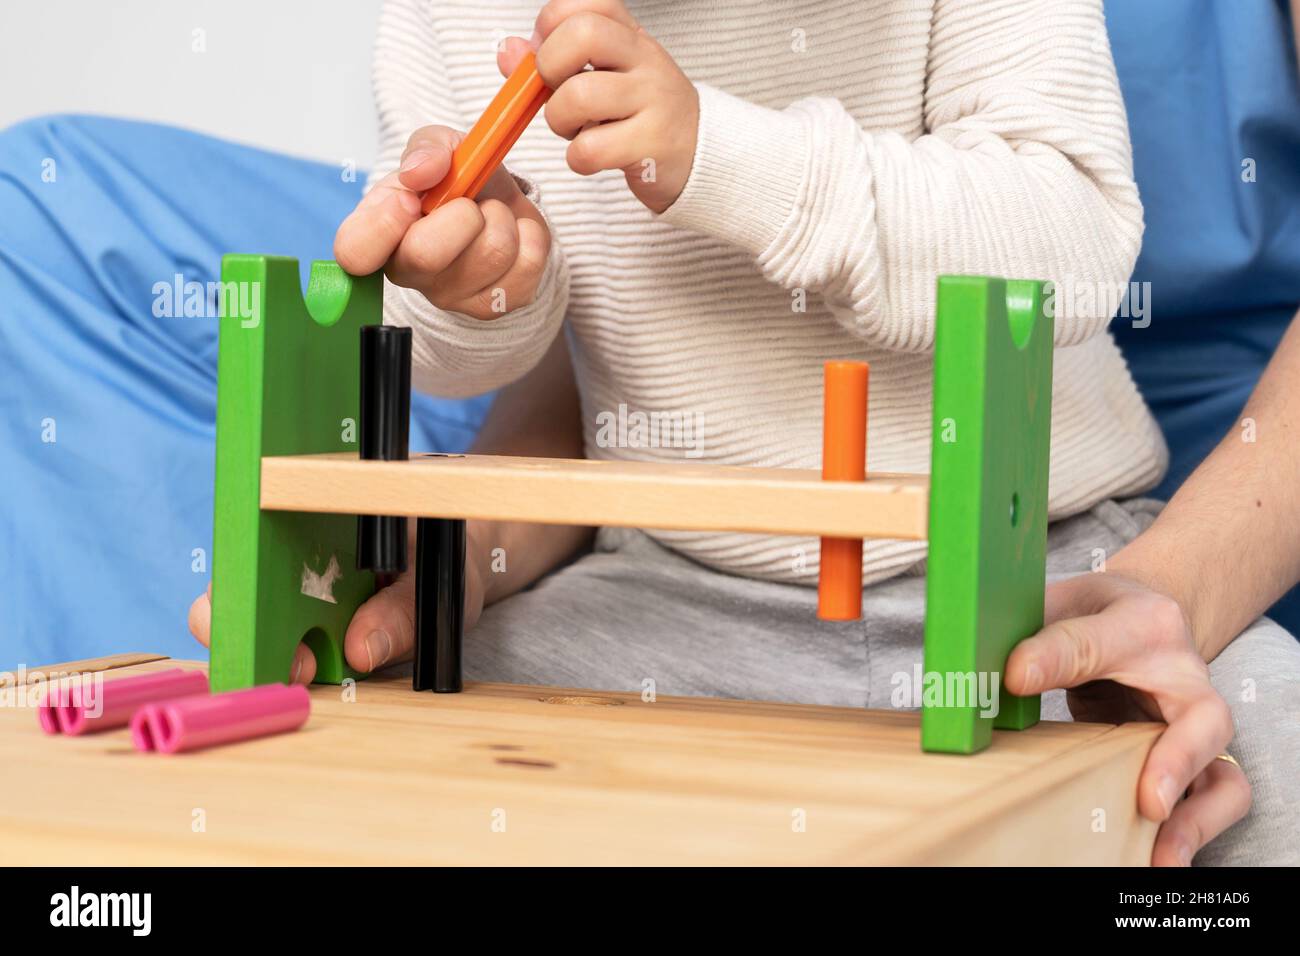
(287, 384)
(986, 570)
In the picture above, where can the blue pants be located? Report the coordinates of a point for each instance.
(108, 397)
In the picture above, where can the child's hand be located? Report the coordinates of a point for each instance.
(482, 257)
(635, 111)
(382, 631)
(1126, 652)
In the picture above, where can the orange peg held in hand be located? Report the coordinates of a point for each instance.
(844, 458)
(485, 146)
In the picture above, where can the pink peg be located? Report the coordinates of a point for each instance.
(191, 723)
(85, 705)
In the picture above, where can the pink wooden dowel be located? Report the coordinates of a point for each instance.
(85, 705)
(191, 723)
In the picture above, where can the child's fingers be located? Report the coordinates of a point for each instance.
(557, 11)
(382, 631)
(1220, 797)
(519, 285)
(432, 243)
(614, 145)
(586, 38)
(200, 617)
(375, 228)
(595, 96)
(427, 157)
(502, 186)
(487, 258)
(510, 52)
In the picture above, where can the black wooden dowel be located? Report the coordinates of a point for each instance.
(385, 435)
(439, 604)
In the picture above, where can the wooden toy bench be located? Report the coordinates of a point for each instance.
(290, 485)
(518, 775)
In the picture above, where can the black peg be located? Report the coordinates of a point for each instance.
(439, 604)
(385, 436)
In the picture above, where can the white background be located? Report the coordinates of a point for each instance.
(288, 75)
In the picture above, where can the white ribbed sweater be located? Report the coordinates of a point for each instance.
(848, 153)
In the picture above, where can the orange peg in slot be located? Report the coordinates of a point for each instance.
(844, 458)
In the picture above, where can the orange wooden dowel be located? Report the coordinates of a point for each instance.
(485, 146)
(844, 458)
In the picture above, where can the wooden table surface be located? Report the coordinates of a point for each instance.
(510, 774)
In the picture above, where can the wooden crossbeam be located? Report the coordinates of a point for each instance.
(684, 497)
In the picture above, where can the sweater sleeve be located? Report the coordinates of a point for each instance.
(1024, 170)
(453, 354)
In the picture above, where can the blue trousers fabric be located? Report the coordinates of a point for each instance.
(108, 396)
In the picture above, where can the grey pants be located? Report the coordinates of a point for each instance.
(634, 612)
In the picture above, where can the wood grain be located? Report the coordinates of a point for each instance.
(90, 665)
(576, 777)
(685, 497)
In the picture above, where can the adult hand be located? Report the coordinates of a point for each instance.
(1125, 652)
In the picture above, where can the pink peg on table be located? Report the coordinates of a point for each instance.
(191, 723)
(89, 704)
